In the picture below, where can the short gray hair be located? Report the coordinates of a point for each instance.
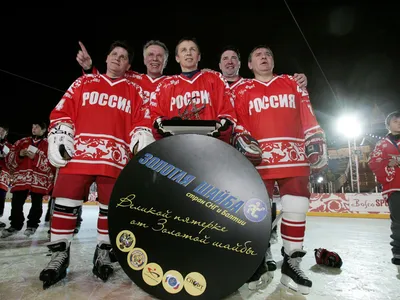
(156, 43)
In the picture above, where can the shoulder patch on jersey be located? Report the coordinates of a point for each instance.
(213, 73)
(133, 74)
(242, 87)
(210, 72)
(302, 91)
(88, 78)
(382, 143)
(166, 82)
(170, 80)
(77, 83)
(136, 86)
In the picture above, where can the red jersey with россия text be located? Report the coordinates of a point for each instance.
(104, 112)
(205, 96)
(277, 113)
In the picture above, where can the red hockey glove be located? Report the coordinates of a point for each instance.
(328, 258)
(316, 152)
(223, 130)
(249, 147)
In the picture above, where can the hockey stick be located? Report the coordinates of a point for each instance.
(278, 217)
(52, 202)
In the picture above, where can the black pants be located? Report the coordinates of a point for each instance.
(17, 209)
(394, 208)
(3, 195)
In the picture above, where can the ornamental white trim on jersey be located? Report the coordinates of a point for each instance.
(155, 79)
(110, 82)
(312, 128)
(284, 166)
(54, 121)
(106, 136)
(191, 81)
(97, 162)
(269, 82)
(283, 138)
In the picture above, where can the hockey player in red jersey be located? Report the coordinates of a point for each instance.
(155, 57)
(385, 163)
(32, 174)
(193, 95)
(5, 175)
(93, 131)
(278, 113)
(229, 64)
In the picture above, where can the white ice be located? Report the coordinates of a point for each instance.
(363, 244)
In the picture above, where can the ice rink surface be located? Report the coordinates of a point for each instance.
(363, 244)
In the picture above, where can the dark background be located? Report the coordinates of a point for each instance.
(355, 46)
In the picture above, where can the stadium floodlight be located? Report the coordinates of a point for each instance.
(349, 126)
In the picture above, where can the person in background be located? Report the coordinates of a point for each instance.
(385, 163)
(5, 176)
(32, 175)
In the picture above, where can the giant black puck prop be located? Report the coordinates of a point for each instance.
(189, 218)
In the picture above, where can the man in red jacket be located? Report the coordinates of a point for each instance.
(32, 175)
(385, 163)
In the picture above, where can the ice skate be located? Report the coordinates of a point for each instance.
(113, 257)
(102, 267)
(270, 263)
(78, 221)
(292, 276)
(29, 231)
(9, 232)
(58, 265)
(274, 237)
(396, 262)
(260, 279)
(77, 228)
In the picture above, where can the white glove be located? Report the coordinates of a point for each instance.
(222, 128)
(5, 151)
(140, 139)
(62, 135)
(316, 151)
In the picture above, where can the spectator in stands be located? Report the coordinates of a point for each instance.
(330, 177)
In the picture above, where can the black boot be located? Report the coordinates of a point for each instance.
(102, 267)
(291, 272)
(58, 265)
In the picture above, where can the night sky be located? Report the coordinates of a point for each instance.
(355, 45)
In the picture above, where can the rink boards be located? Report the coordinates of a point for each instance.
(352, 205)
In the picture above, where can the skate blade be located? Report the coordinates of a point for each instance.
(273, 241)
(104, 277)
(290, 284)
(49, 283)
(262, 283)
